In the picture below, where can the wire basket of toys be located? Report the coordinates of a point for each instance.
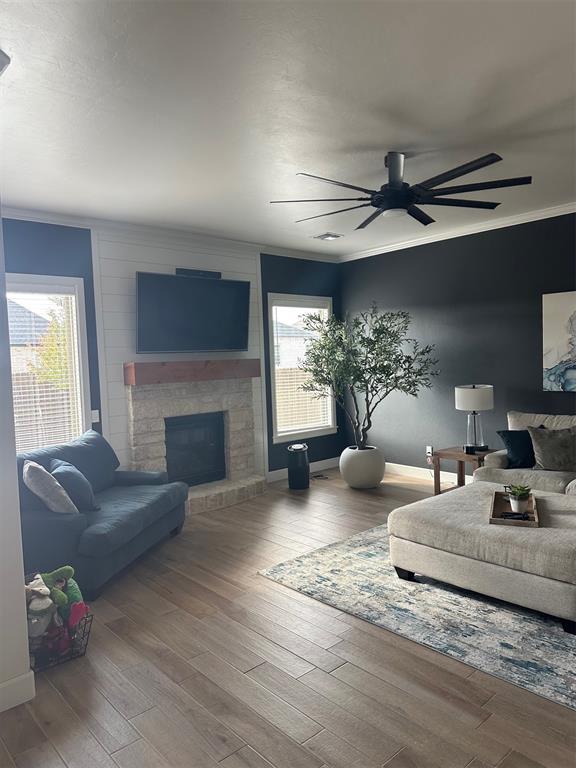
(59, 620)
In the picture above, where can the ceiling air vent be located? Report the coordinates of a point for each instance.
(328, 236)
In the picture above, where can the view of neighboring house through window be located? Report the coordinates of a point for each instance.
(47, 357)
(296, 414)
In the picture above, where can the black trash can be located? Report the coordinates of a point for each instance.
(298, 467)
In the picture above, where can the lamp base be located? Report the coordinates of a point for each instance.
(475, 434)
(472, 449)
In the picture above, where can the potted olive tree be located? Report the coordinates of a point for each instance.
(359, 361)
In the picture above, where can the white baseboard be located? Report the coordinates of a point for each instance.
(315, 466)
(424, 473)
(17, 691)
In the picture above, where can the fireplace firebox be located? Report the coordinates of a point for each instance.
(195, 449)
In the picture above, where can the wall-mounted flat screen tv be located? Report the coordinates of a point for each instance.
(191, 314)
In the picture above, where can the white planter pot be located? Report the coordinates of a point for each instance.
(518, 505)
(362, 469)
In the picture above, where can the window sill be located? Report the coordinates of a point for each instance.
(290, 437)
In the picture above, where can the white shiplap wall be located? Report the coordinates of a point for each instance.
(118, 254)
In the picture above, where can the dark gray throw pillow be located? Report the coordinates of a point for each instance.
(519, 448)
(554, 449)
(75, 484)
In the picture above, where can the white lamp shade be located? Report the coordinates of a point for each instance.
(474, 397)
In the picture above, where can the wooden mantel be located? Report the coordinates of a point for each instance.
(190, 370)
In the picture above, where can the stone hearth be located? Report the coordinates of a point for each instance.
(150, 404)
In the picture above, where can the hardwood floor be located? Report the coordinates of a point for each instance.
(195, 661)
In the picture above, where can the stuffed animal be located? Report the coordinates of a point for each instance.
(37, 588)
(66, 593)
(41, 608)
(56, 581)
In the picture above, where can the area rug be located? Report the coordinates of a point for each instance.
(523, 647)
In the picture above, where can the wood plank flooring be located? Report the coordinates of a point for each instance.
(195, 661)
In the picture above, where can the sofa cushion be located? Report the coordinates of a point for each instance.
(74, 483)
(520, 420)
(457, 522)
(554, 449)
(539, 479)
(90, 453)
(125, 511)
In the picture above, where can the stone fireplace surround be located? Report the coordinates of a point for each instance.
(154, 395)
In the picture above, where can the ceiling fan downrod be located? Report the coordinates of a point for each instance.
(394, 161)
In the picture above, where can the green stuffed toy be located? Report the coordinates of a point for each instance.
(64, 591)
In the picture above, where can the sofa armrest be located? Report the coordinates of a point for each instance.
(50, 539)
(498, 460)
(133, 477)
(571, 488)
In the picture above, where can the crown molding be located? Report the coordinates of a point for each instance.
(107, 228)
(110, 228)
(485, 226)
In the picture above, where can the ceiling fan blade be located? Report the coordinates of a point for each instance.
(419, 215)
(338, 183)
(497, 184)
(461, 170)
(457, 203)
(371, 218)
(331, 213)
(321, 200)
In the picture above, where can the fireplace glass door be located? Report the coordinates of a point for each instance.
(195, 451)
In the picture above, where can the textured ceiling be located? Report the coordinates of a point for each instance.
(196, 114)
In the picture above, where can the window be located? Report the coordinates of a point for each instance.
(48, 359)
(296, 414)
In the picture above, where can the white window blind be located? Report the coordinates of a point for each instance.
(46, 367)
(296, 413)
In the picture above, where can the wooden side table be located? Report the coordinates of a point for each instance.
(455, 454)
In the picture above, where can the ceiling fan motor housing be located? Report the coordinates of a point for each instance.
(388, 197)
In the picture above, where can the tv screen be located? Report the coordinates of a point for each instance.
(191, 314)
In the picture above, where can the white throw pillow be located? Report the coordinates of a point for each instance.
(47, 488)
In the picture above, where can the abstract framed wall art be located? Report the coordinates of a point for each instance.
(559, 341)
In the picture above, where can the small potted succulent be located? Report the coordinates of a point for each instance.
(518, 496)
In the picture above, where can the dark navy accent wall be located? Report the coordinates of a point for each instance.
(479, 299)
(49, 249)
(281, 274)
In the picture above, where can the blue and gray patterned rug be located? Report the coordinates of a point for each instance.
(521, 646)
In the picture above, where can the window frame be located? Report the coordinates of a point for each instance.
(70, 286)
(309, 302)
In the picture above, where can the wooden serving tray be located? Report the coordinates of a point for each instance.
(501, 505)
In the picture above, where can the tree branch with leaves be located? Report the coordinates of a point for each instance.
(52, 363)
(361, 360)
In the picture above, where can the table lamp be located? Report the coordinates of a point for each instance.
(474, 398)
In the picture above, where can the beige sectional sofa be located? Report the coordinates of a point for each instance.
(495, 464)
(449, 538)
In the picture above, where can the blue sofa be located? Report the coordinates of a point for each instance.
(135, 511)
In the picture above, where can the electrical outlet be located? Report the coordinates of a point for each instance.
(429, 450)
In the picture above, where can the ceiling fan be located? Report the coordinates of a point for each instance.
(397, 195)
